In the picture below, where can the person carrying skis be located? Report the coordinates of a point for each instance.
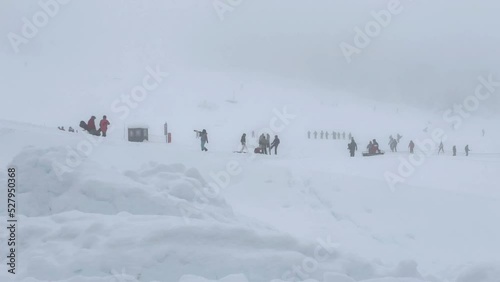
(104, 126)
(441, 148)
(244, 143)
(353, 147)
(203, 139)
(411, 146)
(274, 145)
(467, 150)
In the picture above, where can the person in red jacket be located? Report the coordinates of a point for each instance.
(104, 126)
(91, 125)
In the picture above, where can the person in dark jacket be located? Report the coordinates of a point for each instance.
(244, 143)
(275, 145)
(315, 135)
(204, 139)
(467, 150)
(262, 144)
(375, 146)
(353, 147)
(103, 126)
(268, 143)
(411, 146)
(454, 150)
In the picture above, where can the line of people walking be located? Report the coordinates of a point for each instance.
(326, 135)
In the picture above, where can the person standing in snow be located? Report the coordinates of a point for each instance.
(203, 139)
(91, 127)
(454, 150)
(411, 146)
(244, 143)
(353, 147)
(467, 150)
(268, 143)
(327, 134)
(343, 135)
(274, 145)
(262, 144)
(104, 126)
(375, 146)
(441, 147)
(334, 135)
(315, 135)
(322, 134)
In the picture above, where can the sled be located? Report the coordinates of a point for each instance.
(367, 154)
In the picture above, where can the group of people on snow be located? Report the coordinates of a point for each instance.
(326, 134)
(266, 146)
(454, 149)
(91, 128)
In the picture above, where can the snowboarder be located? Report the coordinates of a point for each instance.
(262, 144)
(203, 139)
(244, 143)
(315, 135)
(441, 147)
(309, 135)
(322, 134)
(353, 147)
(411, 146)
(375, 147)
(274, 145)
(467, 150)
(454, 150)
(104, 126)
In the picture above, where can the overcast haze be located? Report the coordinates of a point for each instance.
(430, 54)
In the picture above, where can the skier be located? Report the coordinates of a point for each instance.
(353, 147)
(309, 135)
(262, 144)
(91, 127)
(467, 150)
(104, 126)
(315, 135)
(204, 140)
(411, 146)
(454, 150)
(274, 145)
(441, 147)
(322, 134)
(244, 143)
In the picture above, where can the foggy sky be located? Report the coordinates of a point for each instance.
(430, 54)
